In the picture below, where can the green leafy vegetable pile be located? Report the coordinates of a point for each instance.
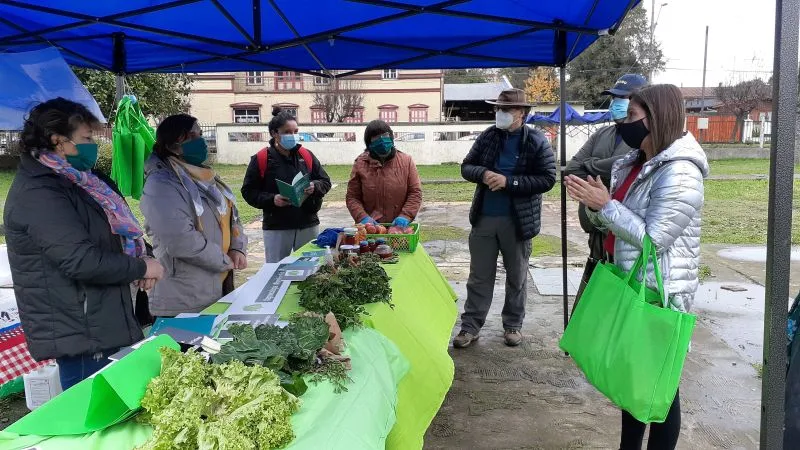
(344, 289)
(291, 351)
(196, 405)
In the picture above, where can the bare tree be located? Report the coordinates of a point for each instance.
(338, 99)
(742, 98)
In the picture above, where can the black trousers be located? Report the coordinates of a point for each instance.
(596, 254)
(663, 436)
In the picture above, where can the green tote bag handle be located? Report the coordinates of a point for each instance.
(640, 266)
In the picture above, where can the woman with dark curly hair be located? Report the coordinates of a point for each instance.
(74, 246)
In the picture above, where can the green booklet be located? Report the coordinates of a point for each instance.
(295, 192)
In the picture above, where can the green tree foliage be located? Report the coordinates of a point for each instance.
(460, 76)
(160, 95)
(627, 51)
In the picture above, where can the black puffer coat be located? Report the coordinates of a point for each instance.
(534, 175)
(260, 192)
(71, 278)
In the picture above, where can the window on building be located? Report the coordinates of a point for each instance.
(288, 81)
(255, 78)
(418, 113)
(246, 115)
(388, 113)
(322, 81)
(389, 74)
(357, 117)
(318, 115)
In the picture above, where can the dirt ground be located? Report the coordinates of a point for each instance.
(533, 396)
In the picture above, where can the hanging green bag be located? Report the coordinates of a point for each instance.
(133, 141)
(631, 350)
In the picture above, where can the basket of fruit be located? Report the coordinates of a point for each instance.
(400, 239)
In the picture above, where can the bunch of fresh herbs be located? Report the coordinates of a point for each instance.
(345, 288)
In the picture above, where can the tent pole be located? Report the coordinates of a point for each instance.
(779, 222)
(120, 84)
(119, 65)
(562, 141)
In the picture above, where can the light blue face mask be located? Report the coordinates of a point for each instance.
(290, 141)
(619, 108)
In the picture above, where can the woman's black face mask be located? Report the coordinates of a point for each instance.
(633, 133)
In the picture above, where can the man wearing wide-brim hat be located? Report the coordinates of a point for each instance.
(512, 165)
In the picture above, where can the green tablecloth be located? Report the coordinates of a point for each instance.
(360, 418)
(420, 325)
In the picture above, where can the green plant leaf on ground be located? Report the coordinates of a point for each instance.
(704, 272)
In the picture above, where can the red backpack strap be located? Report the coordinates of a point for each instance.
(262, 157)
(306, 155)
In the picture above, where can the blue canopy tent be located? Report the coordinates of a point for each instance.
(571, 117)
(361, 35)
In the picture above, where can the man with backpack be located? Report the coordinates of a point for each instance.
(286, 227)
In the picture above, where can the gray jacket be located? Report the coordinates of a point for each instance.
(596, 158)
(663, 202)
(193, 260)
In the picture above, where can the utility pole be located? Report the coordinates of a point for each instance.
(703, 89)
(652, 50)
(652, 33)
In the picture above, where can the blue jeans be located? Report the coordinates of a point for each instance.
(74, 369)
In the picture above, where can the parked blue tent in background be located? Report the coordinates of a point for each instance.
(32, 77)
(573, 117)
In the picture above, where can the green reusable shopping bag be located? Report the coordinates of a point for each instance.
(631, 350)
(133, 140)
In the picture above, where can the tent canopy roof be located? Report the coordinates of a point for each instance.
(313, 37)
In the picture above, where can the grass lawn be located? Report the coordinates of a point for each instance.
(742, 167)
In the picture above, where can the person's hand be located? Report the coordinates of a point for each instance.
(310, 189)
(281, 201)
(146, 284)
(155, 271)
(368, 220)
(238, 260)
(591, 192)
(488, 176)
(401, 222)
(497, 182)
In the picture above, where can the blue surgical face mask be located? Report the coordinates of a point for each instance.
(86, 157)
(195, 152)
(619, 108)
(381, 146)
(290, 141)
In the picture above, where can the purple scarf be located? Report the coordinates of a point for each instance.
(122, 221)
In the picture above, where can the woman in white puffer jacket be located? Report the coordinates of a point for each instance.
(656, 190)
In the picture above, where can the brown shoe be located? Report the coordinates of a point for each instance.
(513, 338)
(464, 339)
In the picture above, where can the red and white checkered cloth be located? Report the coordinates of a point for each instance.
(14, 357)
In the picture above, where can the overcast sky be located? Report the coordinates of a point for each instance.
(740, 40)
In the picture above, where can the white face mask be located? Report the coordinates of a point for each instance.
(503, 120)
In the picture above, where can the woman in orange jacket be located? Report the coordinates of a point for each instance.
(384, 184)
